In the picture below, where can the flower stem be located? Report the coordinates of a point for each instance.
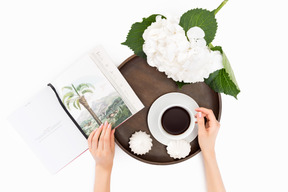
(210, 46)
(220, 6)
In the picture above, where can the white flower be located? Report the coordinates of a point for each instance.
(140, 143)
(168, 49)
(178, 149)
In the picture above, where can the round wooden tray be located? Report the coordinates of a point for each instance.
(149, 84)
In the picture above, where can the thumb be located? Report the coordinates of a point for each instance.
(200, 121)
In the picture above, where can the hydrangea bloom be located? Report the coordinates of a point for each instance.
(168, 49)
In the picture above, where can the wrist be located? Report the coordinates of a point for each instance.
(103, 169)
(209, 154)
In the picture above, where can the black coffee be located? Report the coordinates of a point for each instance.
(175, 120)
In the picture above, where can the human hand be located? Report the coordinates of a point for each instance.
(102, 146)
(207, 133)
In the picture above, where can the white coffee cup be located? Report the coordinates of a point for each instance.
(185, 133)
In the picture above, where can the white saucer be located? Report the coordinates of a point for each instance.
(161, 103)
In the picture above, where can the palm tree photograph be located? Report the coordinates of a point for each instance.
(93, 112)
(89, 96)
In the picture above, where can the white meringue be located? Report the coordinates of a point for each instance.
(140, 143)
(178, 149)
(168, 49)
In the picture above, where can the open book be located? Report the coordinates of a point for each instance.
(57, 121)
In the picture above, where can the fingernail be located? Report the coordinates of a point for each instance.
(200, 114)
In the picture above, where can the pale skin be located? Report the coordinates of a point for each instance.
(207, 134)
(102, 148)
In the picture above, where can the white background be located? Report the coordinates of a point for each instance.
(38, 39)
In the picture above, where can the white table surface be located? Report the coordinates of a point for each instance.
(39, 39)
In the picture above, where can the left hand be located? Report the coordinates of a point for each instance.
(102, 146)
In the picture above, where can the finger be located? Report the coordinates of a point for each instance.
(202, 114)
(208, 113)
(90, 139)
(201, 122)
(107, 143)
(95, 138)
(101, 140)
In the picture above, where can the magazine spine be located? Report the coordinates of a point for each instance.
(67, 112)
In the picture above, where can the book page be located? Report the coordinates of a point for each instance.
(48, 130)
(89, 92)
(108, 68)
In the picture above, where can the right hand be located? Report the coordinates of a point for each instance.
(207, 133)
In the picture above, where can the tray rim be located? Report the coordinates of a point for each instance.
(171, 162)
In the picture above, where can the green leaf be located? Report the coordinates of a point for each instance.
(223, 80)
(75, 89)
(74, 104)
(68, 95)
(69, 101)
(216, 48)
(81, 87)
(180, 84)
(201, 18)
(67, 104)
(87, 91)
(78, 104)
(66, 87)
(134, 38)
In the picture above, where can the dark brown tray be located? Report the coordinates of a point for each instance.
(149, 84)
